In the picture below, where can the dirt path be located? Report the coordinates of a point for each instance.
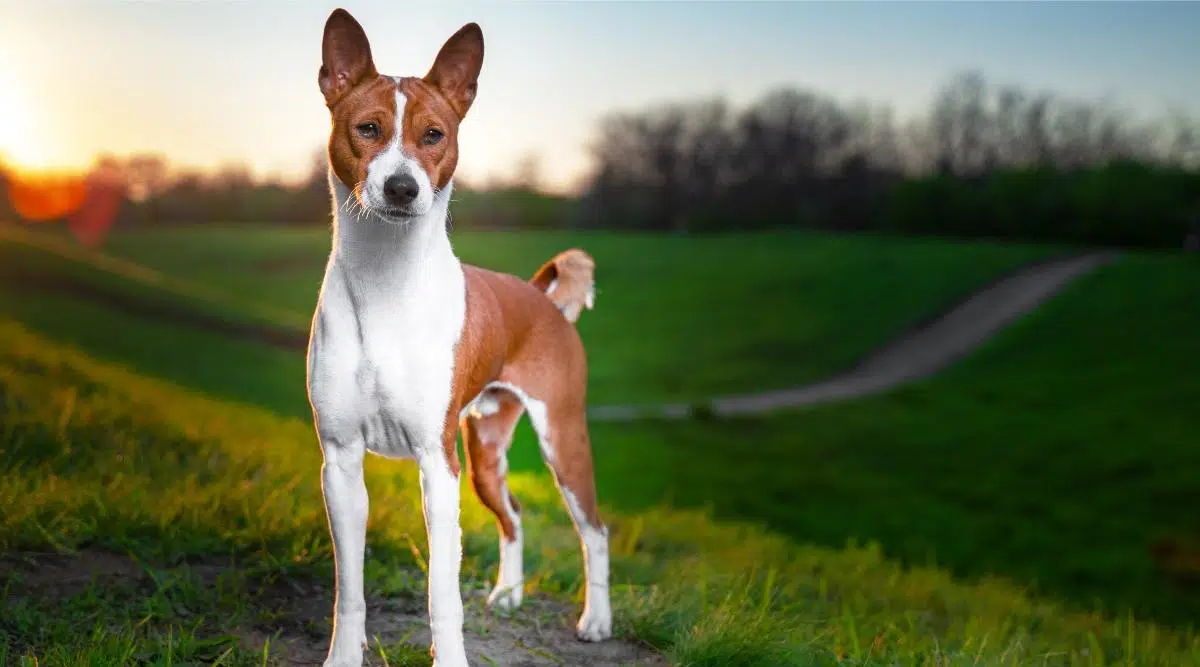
(914, 355)
(918, 354)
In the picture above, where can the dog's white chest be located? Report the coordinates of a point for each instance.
(381, 363)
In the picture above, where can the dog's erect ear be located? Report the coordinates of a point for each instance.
(345, 56)
(455, 72)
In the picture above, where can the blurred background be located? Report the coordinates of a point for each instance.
(775, 194)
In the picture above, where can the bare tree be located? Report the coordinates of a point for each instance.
(147, 175)
(527, 175)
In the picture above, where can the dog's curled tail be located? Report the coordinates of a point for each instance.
(568, 280)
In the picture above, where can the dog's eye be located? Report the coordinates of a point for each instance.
(368, 130)
(432, 136)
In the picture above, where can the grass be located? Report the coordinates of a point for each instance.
(854, 293)
(677, 318)
(1057, 456)
(44, 261)
(990, 508)
(217, 505)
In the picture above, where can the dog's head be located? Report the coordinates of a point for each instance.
(394, 140)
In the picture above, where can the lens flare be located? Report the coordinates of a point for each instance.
(44, 197)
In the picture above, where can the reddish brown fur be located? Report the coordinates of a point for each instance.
(512, 333)
(374, 100)
(570, 272)
(425, 110)
(486, 438)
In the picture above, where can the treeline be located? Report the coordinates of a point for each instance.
(153, 192)
(984, 161)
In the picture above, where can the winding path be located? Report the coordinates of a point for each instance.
(913, 356)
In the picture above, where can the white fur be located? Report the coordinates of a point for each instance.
(596, 622)
(381, 357)
(534, 408)
(510, 579)
(441, 503)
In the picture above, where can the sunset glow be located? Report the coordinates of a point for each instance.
(38, 197)
(18, 136)
(78, 79)
(36, 191)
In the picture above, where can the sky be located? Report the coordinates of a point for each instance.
(215, 82)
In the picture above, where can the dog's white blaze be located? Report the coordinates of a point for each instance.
(393, 161)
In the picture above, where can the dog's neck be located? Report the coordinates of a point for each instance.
(384, 254)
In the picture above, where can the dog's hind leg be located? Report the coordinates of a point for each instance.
(566, 447)
(487, 430)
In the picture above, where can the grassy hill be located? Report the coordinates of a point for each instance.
(160, 493)
(145, 522)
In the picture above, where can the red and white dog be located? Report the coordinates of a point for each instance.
(408, 345)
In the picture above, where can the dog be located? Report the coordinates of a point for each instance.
(409, 346)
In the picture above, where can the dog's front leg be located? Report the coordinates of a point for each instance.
(345, 493)
(440, 494)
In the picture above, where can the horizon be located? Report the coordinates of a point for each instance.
(209, 85)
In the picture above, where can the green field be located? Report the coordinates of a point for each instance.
(1057, 456)
(1003, 499)
(675, 319)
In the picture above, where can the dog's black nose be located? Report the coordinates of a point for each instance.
(400, 190)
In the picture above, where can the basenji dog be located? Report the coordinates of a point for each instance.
(409, 346)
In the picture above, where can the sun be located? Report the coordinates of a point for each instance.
(18, 139)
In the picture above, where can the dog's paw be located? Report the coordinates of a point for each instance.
(346, 654)
(343, 661)
(594, 627)
(353, 659)
(505, 597)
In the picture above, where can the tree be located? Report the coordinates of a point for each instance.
(527, 174)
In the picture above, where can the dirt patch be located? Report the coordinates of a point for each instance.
(292, 615)
(55, 577)
(540, 634)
